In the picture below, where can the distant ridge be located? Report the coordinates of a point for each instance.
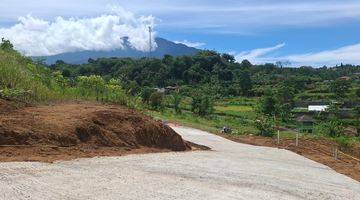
(164, 47)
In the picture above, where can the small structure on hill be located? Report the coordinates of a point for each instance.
(318, 108)
(161, 90)
(168, 89)
(172, 88)
(345, 78)
(305, 123)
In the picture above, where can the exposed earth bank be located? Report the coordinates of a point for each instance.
(71, 130)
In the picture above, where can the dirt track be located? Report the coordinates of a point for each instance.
(230, 171)
(72, 130)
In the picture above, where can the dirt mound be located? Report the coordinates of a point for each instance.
(85, 126)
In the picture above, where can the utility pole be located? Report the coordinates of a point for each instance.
(150, 45)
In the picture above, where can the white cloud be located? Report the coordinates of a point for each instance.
(190, 44)
(256, 55)
(193, 15)
(37, 37)
(346, 55)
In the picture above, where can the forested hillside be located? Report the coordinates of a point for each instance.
(214, 90)
(216, 73)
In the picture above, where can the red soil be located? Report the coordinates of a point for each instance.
(72, 130)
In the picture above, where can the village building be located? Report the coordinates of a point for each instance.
(318, 108)
(305, 123)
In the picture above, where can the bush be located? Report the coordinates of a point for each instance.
(268, 103)
(266, 126)
(176, 98)
(146, 93)
(344, 142)
(202, 105)
(156, 100)
(6, 45)
(19, 95)
(115, 93)
(89, 83)
(332, 128)
(18, 74)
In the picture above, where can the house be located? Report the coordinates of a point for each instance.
(168, 89)
(172, 88)
(318, 108)
(305, 123)
(345, 78)
(161, 90)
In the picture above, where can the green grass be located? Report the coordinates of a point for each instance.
(18, 75)
(225, 109)
(212, 124)
(237, 101)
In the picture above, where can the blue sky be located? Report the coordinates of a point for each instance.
(307, 32)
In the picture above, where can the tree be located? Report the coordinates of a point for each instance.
(268, 103)
(176, 99)
(245, 82)
(133, 88)
(228, 58)
(285, 101)
(358, 92)
(246, 64)
(282, 64)
(156, 100)
(332, 128)
(202, 105)
(265, 125)
(61, 81)
(340, 88)
(146, 93)
(334, 110)
(6, 45)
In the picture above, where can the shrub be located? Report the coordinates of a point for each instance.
(202, 105)
(176, 98)
(146, 93)
(332, 128)
(92, 83)
(265, 125)
(268, 103)
(6, 45)
(156, 100)
(344, 142)
(18, 73)
(115, 93)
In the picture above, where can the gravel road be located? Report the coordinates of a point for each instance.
(230, 171)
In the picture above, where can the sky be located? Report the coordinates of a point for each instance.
(299, 32)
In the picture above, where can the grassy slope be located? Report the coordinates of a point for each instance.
(20, 78)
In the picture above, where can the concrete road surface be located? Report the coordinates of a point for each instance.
(230, 171)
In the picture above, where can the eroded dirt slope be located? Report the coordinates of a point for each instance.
(65, 131)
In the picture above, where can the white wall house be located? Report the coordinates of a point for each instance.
(318, 108)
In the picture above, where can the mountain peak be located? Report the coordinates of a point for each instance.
(163, 47)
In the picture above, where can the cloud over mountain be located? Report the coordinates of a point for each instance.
(37, 37)
(190, 44)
